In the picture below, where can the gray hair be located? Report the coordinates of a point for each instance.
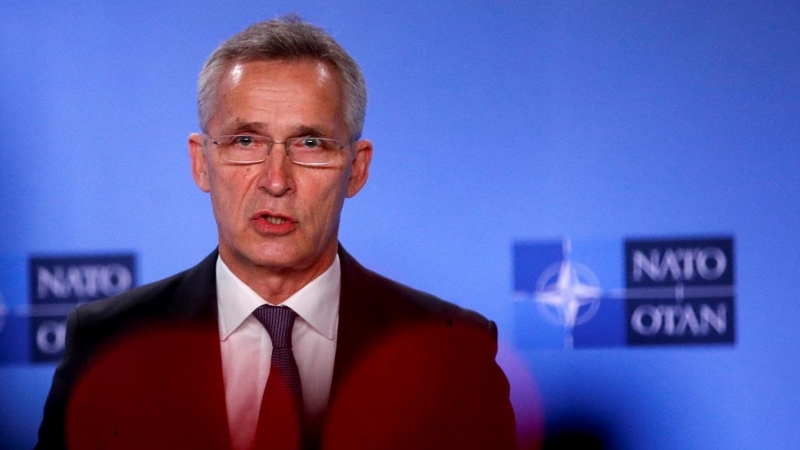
(284, 38)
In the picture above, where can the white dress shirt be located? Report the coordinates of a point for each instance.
(247, 348)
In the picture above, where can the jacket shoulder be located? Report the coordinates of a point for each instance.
(387, 302)
(427, 305)
(94, 326)
(189, 295)
(149, 301)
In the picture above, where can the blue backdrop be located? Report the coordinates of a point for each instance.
(494, 122)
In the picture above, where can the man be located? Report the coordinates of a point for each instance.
(279, 339)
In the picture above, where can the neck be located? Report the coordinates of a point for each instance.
(276, 284)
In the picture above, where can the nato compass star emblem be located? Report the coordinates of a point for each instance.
(568, 294)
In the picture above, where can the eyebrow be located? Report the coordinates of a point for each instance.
(235, 127)
(305, 130)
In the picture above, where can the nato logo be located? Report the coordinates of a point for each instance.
(644, 292)
(564, 296)
(58, 284)
(680, 291)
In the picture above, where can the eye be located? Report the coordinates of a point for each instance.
(310, 143)
(243, 140)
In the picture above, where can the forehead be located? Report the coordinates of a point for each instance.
(233, 71)
(278, 91)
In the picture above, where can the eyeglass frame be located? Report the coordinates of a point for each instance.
(273, 142)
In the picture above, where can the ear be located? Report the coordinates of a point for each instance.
(199, 162)
(359, 168)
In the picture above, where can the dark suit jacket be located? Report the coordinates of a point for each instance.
(143, 370)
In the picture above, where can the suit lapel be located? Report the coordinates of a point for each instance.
(194, 304)
(195, 298)
(355, 328)
(366, 315)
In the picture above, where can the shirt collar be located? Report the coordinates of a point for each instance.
(316, 303)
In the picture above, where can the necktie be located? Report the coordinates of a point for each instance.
(280, 417)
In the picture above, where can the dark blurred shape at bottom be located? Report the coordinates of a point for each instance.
(578, 433)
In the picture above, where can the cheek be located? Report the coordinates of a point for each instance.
(245, 174)
(229, 189)
(325, 196)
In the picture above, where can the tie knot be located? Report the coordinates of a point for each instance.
(278, 320)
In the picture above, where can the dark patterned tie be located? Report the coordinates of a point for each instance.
(280, 417)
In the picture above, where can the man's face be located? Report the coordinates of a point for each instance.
(277, 215)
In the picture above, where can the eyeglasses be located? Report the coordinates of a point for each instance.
(305, 151)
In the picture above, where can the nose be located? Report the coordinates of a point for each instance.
(277, 171)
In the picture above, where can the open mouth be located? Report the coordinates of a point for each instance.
(274, 219)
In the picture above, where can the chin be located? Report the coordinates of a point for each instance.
(277, 260)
